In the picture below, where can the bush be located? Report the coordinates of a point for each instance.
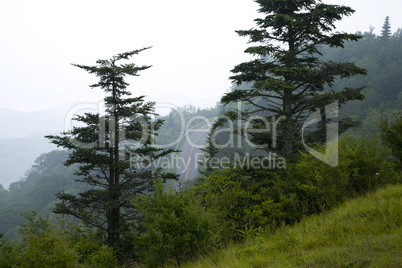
(177, 227)
(45, 244)
(246, 200)
(363, 166)
(9, 253)
(391, 135)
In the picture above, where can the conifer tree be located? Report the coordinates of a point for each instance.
(210, 150)
(386, 30)
(287, 76)
(113, 151)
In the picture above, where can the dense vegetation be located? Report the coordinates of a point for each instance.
(365, 232)
(238, 216)
(36, 191)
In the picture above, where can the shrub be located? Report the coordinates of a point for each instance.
(363, 167)
(391, 135)
(46, 244)
(177, 227)
(245, 199)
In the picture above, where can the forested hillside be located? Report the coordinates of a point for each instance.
(18, 154)
(382, 59)
(22, 140)
(36, 191)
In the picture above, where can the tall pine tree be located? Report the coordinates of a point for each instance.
(386, 30)
(288, 79)
(113, 151)
(210, 152)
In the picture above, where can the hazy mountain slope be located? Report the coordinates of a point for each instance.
(22, 140)
(18, 155)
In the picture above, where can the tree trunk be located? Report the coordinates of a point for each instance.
(288, 133)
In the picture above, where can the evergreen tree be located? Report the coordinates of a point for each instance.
(114, 152)
(386, 30)
(210, 150)
(288, 78)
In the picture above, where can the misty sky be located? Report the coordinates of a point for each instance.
(194, 46)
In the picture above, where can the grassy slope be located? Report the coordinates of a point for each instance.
(364, 232)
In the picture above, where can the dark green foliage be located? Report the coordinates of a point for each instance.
(247, 200)
(210, 150)
(391, 135)
(244, 199)
(113, 151)
(288, 78)
(47, 244)
(364, 166)
(177, 227)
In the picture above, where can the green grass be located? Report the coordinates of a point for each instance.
(364, 232)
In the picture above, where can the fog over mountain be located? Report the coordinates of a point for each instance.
(22, 140)
(22, 133)
(15, 124)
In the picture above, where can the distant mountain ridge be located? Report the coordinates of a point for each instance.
(22, 140)
(18, 155)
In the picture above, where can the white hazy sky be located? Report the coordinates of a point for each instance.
(194, 46)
